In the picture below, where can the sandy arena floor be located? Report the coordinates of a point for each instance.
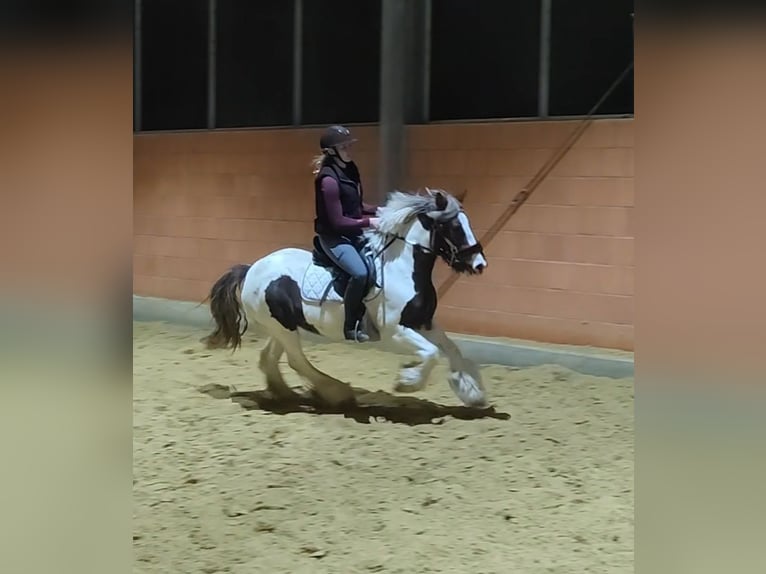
(221, 488)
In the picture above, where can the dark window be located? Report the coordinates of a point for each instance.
(174, 64)
(591, 44)
(254, 64)
(46, 18)
(341, 61)
(484, 59)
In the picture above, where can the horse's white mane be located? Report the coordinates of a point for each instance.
(402, 207)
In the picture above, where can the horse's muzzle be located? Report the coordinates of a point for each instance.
(479, 263)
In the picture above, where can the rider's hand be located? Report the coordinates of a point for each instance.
(374, 222)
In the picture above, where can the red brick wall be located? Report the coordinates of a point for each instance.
(561, 271)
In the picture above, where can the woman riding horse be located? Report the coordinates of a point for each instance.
(341, 217)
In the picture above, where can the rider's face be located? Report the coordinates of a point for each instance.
(344, 152)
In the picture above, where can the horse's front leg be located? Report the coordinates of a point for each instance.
(413, 377)
(465, 376)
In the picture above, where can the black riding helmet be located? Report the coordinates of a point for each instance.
(335, 136)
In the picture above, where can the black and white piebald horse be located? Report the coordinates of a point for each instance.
(286, 292)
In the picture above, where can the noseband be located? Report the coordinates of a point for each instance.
(452, 253)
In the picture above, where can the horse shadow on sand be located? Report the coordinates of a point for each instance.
(369, 406)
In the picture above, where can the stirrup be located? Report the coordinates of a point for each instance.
(359, 335)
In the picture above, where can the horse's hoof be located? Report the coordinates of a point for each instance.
(405, 388)
(410, 381)
(480, 405)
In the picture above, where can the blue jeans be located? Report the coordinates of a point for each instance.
(345, 254)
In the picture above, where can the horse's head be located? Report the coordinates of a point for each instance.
(450, 234)
(434, 221)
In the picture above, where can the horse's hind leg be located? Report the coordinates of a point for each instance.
(269, 365)
(327, 388)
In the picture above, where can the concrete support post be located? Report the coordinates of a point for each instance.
(424, 71)
(545, 58)
(137, 112)
(393, 71)
(212, 51)
(297, 61)
(417, 42)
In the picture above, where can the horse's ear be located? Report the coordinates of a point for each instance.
(441, 201)
(461, 197)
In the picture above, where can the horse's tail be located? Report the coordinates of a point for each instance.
(227, 310)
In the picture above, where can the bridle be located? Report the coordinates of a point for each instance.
(452, 252)
(449, 251)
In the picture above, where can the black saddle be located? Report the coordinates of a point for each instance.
(339, 277)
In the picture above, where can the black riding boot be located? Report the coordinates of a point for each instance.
(353, 306)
